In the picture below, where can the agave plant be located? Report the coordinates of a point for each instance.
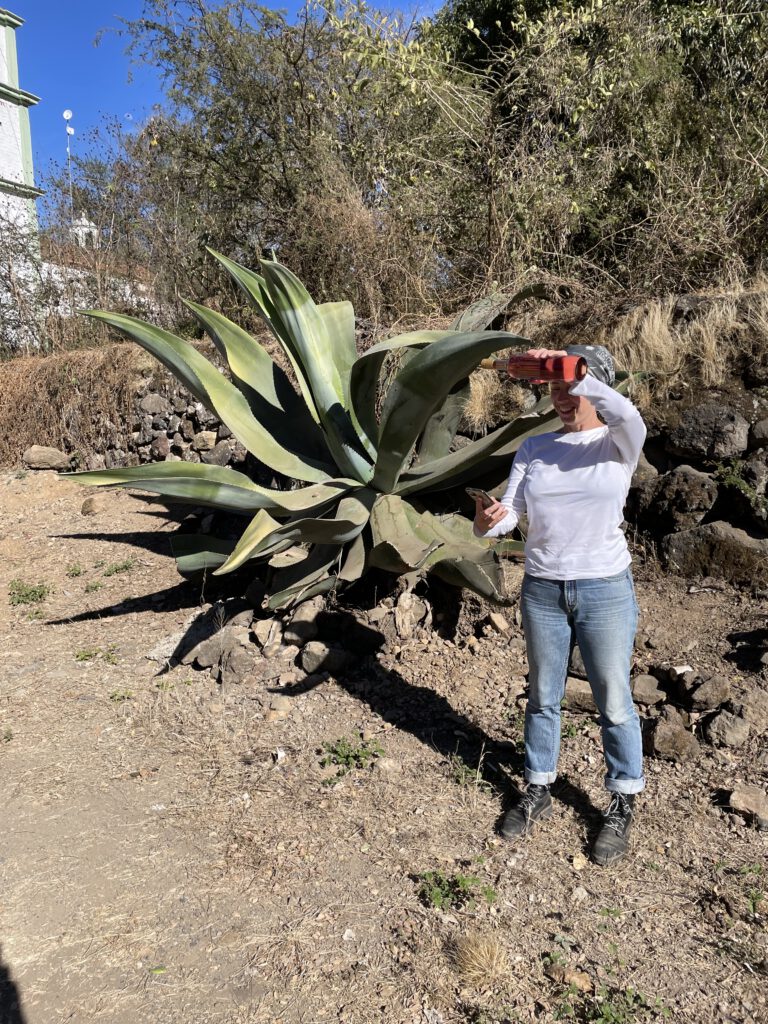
(365, 482)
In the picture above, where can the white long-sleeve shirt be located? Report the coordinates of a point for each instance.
(573, 486)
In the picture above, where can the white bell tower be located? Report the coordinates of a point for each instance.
(17, 180)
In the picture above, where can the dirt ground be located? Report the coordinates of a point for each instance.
(173, 853)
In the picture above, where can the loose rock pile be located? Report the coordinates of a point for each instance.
(701, 493)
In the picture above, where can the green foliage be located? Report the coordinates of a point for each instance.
(109, 654)
(465, 776)
(120, 696)
(27, 593)
(443, 891)
(736, 473)
(610, 1006)
(618, 144)
(75, 570)
(93, 586)
(348, 755)
(119, 567)
(375, 485)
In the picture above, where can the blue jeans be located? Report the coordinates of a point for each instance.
(599, 615)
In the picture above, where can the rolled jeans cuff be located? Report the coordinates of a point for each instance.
(626, 786)
(540, 778)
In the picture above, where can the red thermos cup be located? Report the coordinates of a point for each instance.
(539, 371)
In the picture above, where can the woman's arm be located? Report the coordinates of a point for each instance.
(624, 422)
(502, 517)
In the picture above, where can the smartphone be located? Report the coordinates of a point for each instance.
(476, 493)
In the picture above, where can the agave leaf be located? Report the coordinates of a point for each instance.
(255, 288)
(406, 539)
(353, 563)
(339, 327)
(269, 392)
(483, 576)
(196, 553)
(264, 532)
(219, 394)
(339, 323)
(482, 313)
(217, 487)
(456, 467)
(462, 558)
(364, 380)
(289, 582)
(288, 598)
(419, 388)
(398, 546)
(442, 425)
(307, 332)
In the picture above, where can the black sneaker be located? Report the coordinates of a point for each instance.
(535, 803)
(613, 841)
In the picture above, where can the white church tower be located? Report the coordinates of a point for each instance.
(17, 181)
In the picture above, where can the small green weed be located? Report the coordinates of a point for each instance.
(610, 1006)
(165, 684)
(463, 775)
(27, 593)
(348, 755)
(610, 912)
(754, 898)
(570, 730)
(20, 474)
(118, 696)
(75, 570)
(100, 564)
(89, 653)
(117, 567)
(7, 734)
(442, 891)
(93, 586)
(554, 957)
(752, 869)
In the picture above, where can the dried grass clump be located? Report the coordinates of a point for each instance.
(492, 399)
(64, 400)
(480, 959)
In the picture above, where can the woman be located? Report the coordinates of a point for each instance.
(573, 484)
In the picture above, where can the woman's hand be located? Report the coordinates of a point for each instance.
(486, 518)
(545, 353)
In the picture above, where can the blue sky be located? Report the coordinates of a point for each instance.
(60, 63)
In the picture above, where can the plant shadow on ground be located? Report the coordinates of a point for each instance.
(416, 709)
(10, 1001)
(430, 717)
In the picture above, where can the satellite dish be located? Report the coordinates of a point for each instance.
(67, 115)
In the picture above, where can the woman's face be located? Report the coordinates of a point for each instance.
(575, 412)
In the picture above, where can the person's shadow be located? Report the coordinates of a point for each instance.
(10, 1001)
(431, 719)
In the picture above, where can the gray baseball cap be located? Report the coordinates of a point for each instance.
(599, 360)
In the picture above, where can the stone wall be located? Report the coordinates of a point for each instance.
(699, 497)
(700, 492)
(167, 427)
(166, 424)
